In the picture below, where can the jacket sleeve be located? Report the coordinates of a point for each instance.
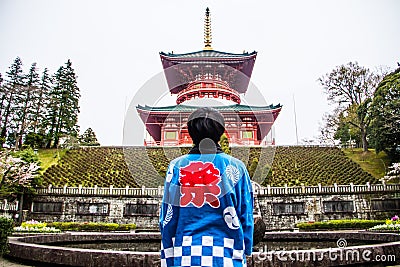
(168, 210)
(246, 211)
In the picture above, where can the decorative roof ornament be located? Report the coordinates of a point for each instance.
(207, 31)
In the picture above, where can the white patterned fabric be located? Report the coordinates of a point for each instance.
(204, 252)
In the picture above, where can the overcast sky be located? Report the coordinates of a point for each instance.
(114, 46)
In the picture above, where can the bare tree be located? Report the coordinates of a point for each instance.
(352, 86)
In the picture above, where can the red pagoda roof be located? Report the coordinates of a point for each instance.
(204, 54)
(182, 69)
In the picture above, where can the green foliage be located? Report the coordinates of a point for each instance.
(385, 110)
(49, 157)
(374, 163)
(34, 140)
(6, 229)
(63, 106)
(105, 166)
(38, 111)
(88, 138)
(15, 81)
(25, 107)
(126, 227)
(91, 226)
(33, 224)
(339, 224)
(313, 166)
(253, 167)
(224, 142)
(27, 155)
(350, 88)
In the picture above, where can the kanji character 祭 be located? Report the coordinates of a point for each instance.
(199, 184)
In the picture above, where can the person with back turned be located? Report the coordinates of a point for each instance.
(206, 216)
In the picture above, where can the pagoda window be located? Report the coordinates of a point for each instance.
(170, 135)
(247, 134)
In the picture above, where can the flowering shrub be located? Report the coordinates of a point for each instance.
(392, 174)
(33, 224)
(45, 229)
(386, 228)
(16, 174)
(391, 225)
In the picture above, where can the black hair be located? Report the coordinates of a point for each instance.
(204, 123)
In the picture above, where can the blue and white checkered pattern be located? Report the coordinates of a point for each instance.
(205, 252)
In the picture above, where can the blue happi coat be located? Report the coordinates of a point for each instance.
(206, 216)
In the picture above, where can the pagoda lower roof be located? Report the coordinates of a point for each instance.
(186, 108)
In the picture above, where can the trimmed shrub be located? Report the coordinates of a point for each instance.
(126, 227)
(6, 229)
(339, 224)
(91, 226)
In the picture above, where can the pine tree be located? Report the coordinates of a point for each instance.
(13, 87)
(3, 94)
(26, 100)
(38, 125)
(88, 138)
(42, 101)
(63, 107)
(53, 106)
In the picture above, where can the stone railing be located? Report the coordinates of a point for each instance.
(259, 190)
(326, 190)
(102, 191)
(8, 206)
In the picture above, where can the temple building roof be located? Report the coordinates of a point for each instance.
(207, 54)
(186, 108)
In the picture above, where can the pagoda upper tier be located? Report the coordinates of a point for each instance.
(184, 69)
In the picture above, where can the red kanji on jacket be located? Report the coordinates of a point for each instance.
(199, 184)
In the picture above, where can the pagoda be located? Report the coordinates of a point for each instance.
(213, 75)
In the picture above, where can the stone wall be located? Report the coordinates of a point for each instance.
(114, 214)
(316, 208)
(279, 212)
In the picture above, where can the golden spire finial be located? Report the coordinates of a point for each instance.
(207, 31)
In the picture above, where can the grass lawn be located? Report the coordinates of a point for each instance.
(375, 164)
(49, 157)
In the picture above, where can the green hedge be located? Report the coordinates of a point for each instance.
(340, 224)
(6, 229)
(91, 226)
